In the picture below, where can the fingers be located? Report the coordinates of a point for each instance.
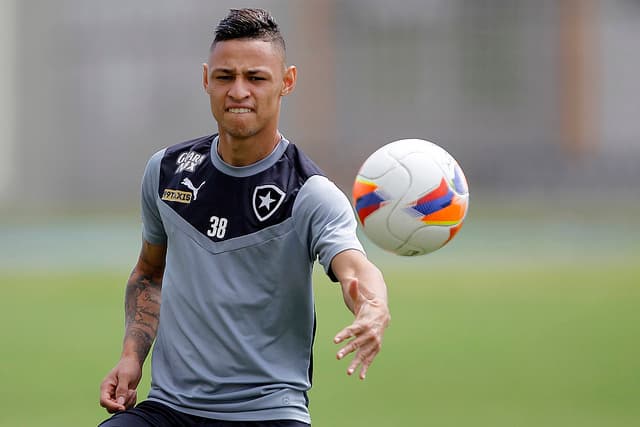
(118, 389)
(366, 344)
(364, 355)
(130, 399)
(125, 397)
(365, 334)
(352, 346)
(364, 360)
(348, 332)
(108, 398)
(116, 404)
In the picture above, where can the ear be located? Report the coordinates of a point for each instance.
(205, 76)
(289, 80)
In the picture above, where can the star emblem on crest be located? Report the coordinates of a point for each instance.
(266, 200)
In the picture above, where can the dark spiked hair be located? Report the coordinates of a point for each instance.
(255, 24)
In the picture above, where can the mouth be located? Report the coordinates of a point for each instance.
(238, 110)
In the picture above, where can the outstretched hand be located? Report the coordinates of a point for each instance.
(366, 331)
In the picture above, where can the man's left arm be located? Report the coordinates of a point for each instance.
(365, 294)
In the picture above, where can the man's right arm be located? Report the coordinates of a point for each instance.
(142, 313)
(142, 301)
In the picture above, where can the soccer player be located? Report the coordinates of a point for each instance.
(232, 224)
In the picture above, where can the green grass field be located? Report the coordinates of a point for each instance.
(484, 344)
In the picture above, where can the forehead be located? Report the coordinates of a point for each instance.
(245, 54)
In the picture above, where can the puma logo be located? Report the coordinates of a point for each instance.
(187, 182)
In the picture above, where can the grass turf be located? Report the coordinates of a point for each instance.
(480, 345)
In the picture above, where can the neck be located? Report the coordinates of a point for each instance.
(246, 151)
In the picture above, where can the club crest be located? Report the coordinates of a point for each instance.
(266, 200)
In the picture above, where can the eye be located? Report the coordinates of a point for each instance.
(256, 78)
(223, 78)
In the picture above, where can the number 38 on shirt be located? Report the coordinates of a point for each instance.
(217, 227)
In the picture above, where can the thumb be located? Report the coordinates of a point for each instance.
(355, 293)
(353, 288)
(122, 391)
(360, 295)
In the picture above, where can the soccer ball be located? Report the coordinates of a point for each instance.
(411, 197)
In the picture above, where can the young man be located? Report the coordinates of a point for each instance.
(232, 224)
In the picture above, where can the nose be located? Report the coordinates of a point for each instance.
(239, 89)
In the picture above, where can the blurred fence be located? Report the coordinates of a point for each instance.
(535, 97)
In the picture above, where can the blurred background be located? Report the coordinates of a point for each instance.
(538, 102)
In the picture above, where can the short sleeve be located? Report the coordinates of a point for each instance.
(152, 227)
(324, 221)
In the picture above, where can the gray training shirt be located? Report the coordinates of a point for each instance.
(237, 316)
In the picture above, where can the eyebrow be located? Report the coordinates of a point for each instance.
(250, 72)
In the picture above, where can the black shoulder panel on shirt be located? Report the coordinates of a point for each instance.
(221, 206)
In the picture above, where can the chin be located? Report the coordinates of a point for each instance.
(240, 132)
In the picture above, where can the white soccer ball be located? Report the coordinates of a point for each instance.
(411, 197)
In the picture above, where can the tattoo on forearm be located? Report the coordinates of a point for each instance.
(142, 311)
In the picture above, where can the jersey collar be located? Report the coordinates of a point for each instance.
(243, 171)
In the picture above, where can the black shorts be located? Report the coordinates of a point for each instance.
(155, 414)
